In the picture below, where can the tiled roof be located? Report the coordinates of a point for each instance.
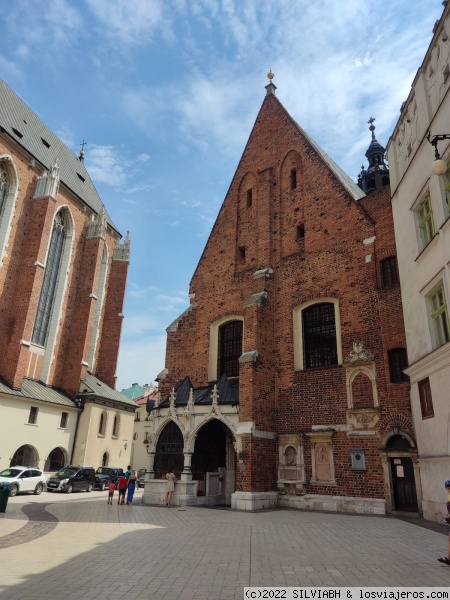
(98, 388)
(35, 390)
(228, 393)
(25, 127)
(133, 392)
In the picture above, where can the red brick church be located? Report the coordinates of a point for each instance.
(283, 383)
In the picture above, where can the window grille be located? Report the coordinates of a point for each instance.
(389, 274)
(32, 417)
(319, 336)
(397, 363)
(230, 348)
(426, 400)
(49, 283)
(169, 451)
(440, 316)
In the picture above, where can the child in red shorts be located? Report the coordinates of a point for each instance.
(111, 488)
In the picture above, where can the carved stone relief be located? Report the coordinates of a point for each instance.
(322, 457)
(291, 469)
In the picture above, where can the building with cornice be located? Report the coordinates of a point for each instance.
(421, 210)
(283, 382)
(63, 272)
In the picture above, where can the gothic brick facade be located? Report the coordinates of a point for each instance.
(295, 232)
(63, 274)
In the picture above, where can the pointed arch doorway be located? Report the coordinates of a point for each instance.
(399, 459)
(214, 464)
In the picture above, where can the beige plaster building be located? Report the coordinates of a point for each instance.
(421, 210)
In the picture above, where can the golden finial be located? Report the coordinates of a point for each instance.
(270, 75)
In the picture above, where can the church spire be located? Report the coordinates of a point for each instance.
(377, 174)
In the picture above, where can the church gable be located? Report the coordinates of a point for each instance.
(287, 197)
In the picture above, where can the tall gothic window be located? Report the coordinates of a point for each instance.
(230, 349)
(319, 336)
(49, 283)
(3, 186)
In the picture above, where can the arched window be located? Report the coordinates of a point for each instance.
(230, 349)
(102, 424)
(116, 425)
(3, 186)
(98, 309)
(105, 459)
(49, 283)
(319, 336)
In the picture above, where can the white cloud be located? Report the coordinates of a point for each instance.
(105, 165)
(9, 68)
(143, 157)
(129, 21)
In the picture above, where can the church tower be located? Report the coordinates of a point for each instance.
(377, 175)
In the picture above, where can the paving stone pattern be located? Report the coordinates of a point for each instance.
(86, 549)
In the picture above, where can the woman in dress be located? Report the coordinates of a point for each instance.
(170, 486)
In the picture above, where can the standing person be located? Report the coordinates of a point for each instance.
(128, 472)
(132, 480)
(122, 487)
(170, 486)
(447, 487)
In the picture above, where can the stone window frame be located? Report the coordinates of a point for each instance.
(425, 398)
(436, 285)
(116, 426)
(101, 431)
(8, 205)
(298, 331)
(100, 297)
(213, 353)
(60, 291)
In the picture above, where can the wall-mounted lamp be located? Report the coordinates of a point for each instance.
(439, 167)
(125, 446)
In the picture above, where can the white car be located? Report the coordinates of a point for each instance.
(23, 479)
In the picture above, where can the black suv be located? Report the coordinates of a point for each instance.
(72, 479)
(105, 475)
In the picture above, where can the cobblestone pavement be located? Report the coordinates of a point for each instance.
(66, 547)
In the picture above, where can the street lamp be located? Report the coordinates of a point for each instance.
(439, 166)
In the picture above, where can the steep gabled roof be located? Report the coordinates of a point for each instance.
(27, 130)
(36, 390)
(93, 387)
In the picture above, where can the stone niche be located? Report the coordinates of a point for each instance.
(363, 410)
(322, 457)
(291, 467)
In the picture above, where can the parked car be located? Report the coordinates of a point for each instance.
(105, 475)
(72, 479)
(23, 479)
(141, 477)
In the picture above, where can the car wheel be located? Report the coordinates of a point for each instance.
(102, 487)
(13, 490)
(69, 489)
(38, 489)
(89, 488)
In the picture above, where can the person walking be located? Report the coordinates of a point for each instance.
(132, 480)
(170, 486)
(122, 487)
(111, 489)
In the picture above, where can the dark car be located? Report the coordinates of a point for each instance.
(105, 475)
(72, 479)
(141, 477)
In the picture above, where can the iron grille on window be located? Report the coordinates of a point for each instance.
(389, 271)
(319, 336)
(169, 451)
(3, 184)
(49, 283)
(397, 363)
(32, 417)
(230, 348)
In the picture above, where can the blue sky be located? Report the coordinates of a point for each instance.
(165, 92)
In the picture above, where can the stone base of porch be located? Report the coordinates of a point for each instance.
(253, 500)
(341, 504)
(185, 493)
